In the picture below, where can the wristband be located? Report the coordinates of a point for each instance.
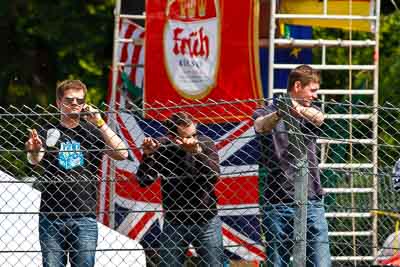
(100, 122)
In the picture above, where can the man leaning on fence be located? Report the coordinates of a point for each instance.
(67, 155)
(188, 165)
(278, 205)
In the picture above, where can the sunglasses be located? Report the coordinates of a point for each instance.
(70, 100)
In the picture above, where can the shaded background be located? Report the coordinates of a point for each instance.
(45, 41)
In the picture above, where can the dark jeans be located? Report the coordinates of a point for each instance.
(206, 238)
(278, 228)
(74, 236)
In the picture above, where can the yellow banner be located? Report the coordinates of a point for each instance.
(334, 7)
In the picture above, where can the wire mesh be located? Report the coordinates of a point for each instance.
(137, 210)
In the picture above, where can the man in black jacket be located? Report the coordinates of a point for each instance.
(188, 165)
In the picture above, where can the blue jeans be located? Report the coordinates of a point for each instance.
(206, 238)
(278, 228)
(74, 236)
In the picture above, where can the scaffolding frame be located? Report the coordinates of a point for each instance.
(274, 42)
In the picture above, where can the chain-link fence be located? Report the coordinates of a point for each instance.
(167, 194)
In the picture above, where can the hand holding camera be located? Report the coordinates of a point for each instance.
(93, 115)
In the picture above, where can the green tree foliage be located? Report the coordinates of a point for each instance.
(390, 59)
(389, 63)
(47, 41)
(389, 139)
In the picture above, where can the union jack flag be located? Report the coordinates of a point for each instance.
(137, 211)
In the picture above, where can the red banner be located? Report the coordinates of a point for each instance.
(199, 52)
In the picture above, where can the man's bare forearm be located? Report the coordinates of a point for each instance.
(265, 124)
(120, 151)
(313, 115)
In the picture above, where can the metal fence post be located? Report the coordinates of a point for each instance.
(298, 151)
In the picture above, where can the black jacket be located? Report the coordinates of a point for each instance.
(187, 180)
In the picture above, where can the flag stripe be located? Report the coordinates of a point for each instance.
(128, 138)
(238, 190)
(234, 135)
(131, 189)
(135, 58)
(133, 53)
(140, 224)
(101, 212)
(245, 244)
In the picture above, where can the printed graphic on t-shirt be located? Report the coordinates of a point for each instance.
(70, 155)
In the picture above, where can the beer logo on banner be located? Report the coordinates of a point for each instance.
(192, 46)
